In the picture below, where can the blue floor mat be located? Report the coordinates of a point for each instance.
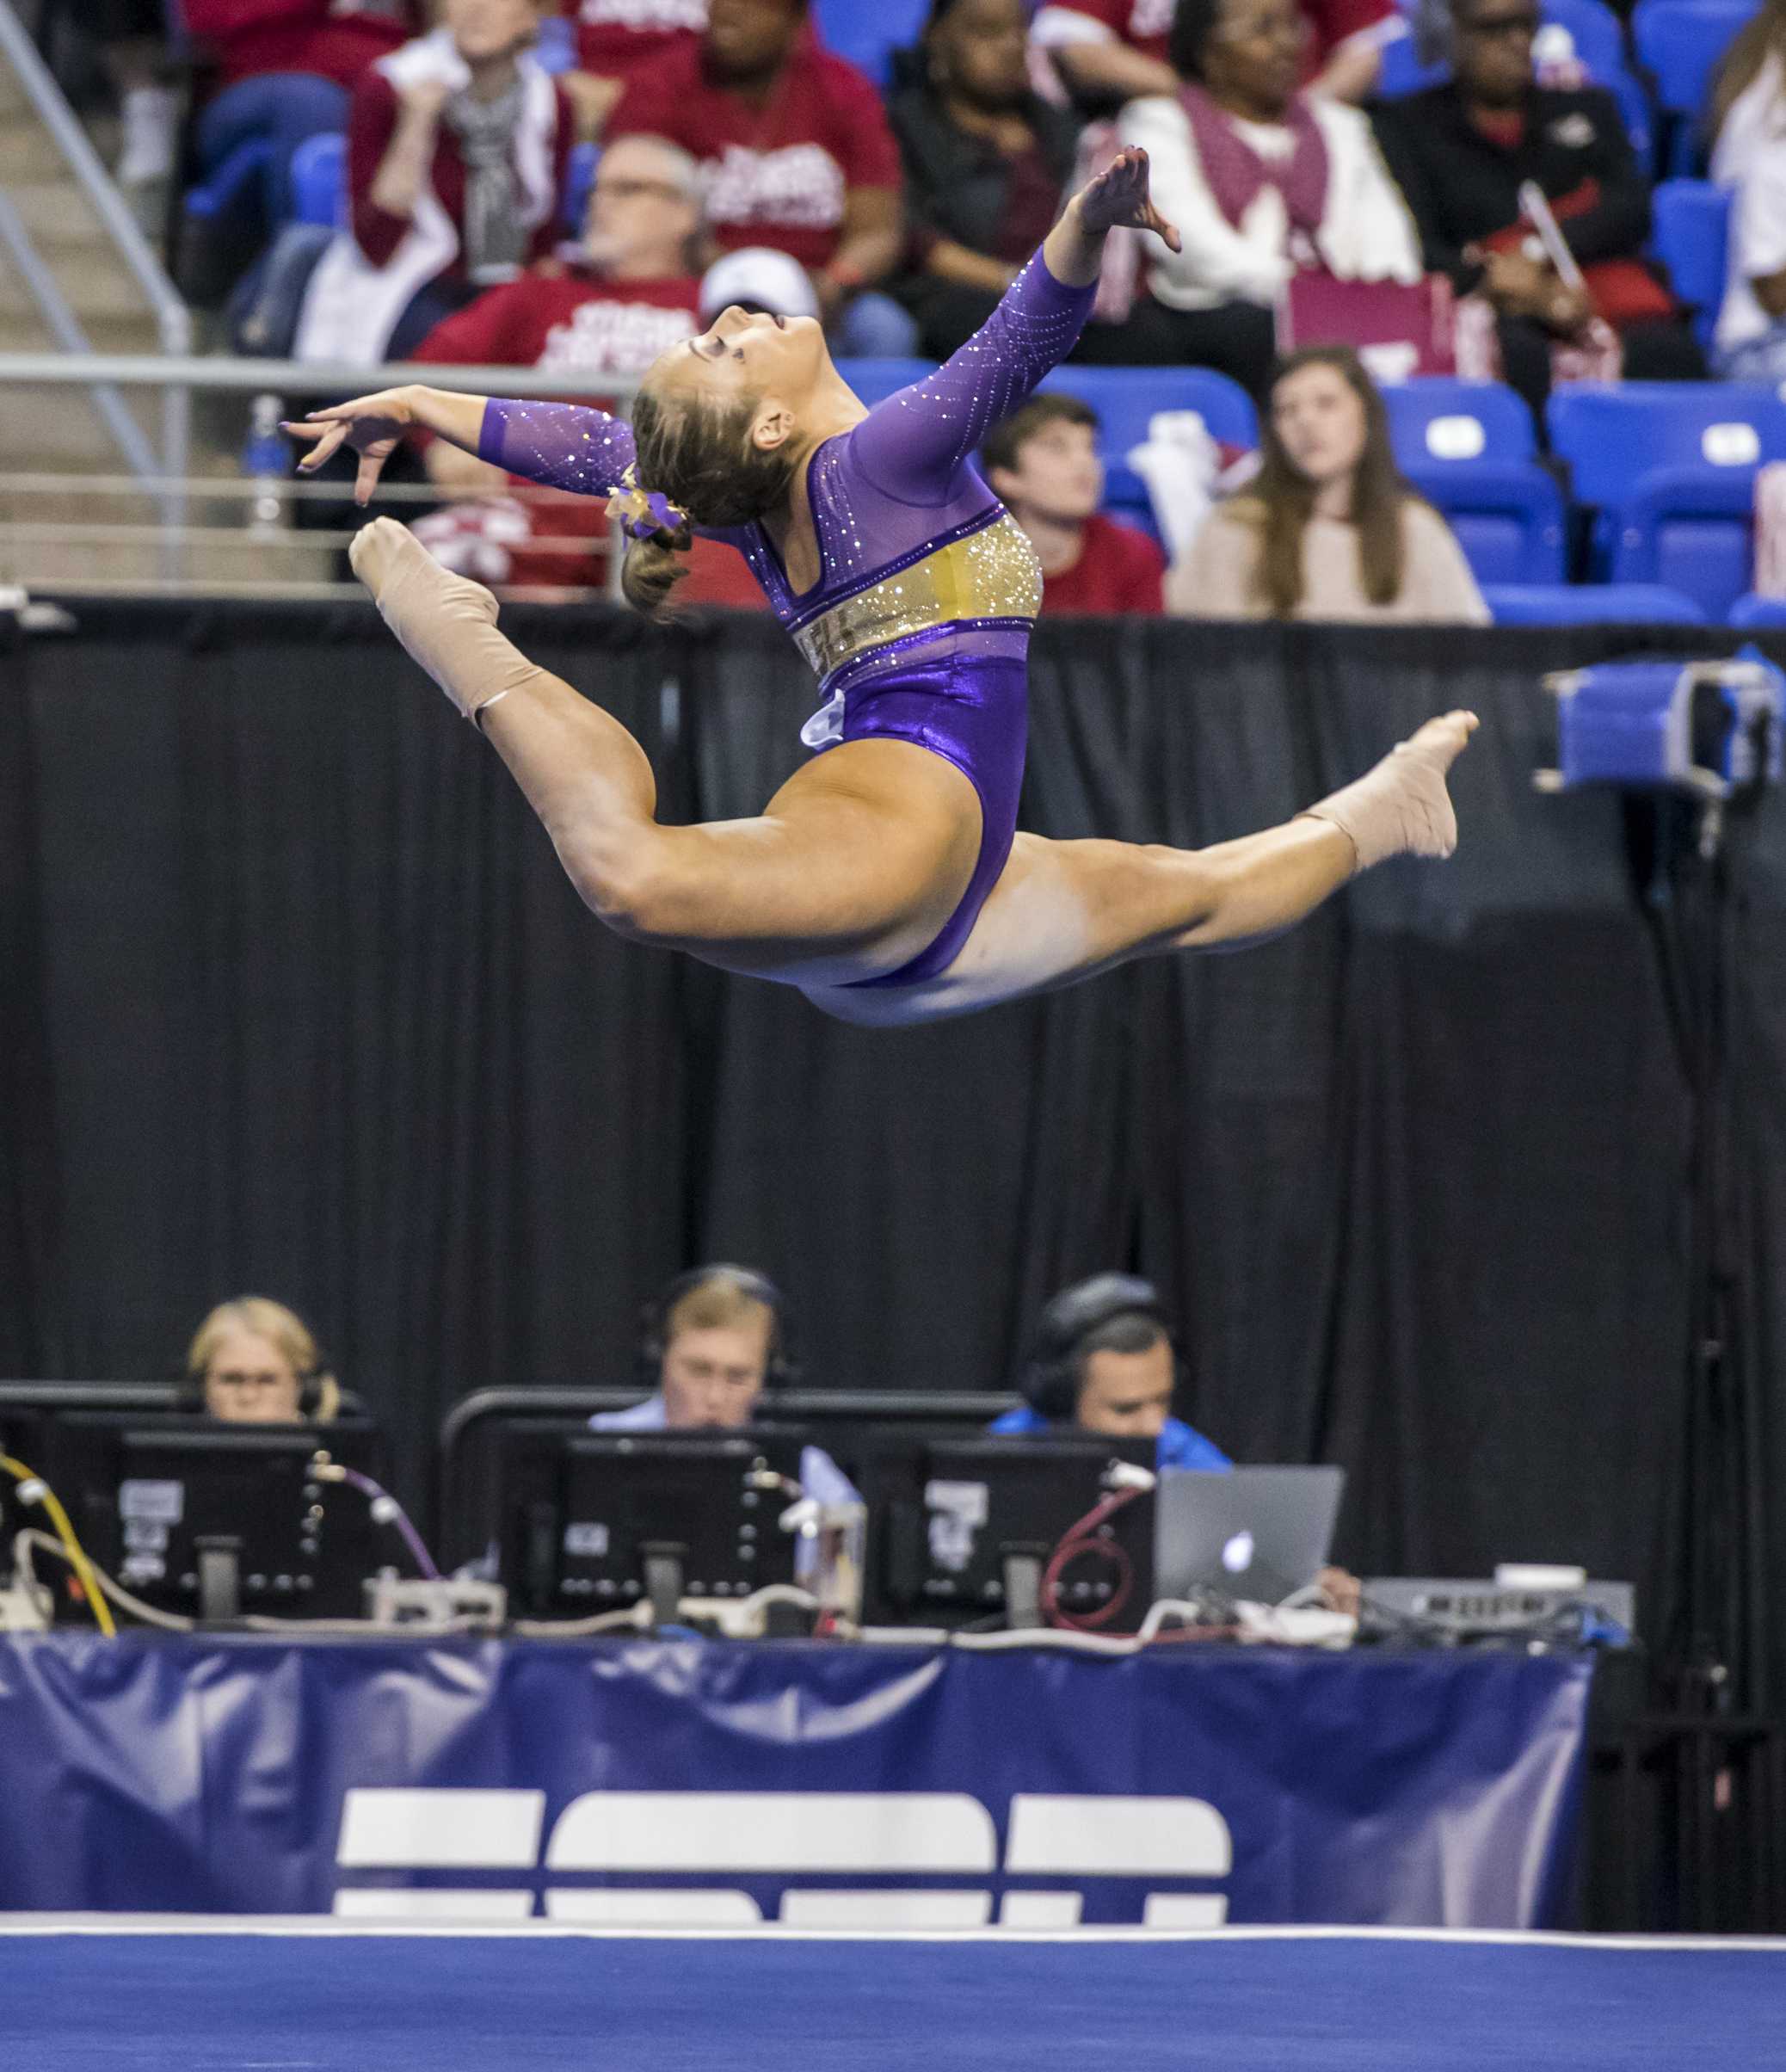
(382, 2001)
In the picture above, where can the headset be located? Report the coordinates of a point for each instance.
(1050, 1378)
(782, 1370)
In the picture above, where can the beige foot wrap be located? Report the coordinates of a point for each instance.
(1401, 807)
(446, 625)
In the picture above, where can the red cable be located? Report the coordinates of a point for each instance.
(1083, 1538)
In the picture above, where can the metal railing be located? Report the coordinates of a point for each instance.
(250, 511)
(173, 320)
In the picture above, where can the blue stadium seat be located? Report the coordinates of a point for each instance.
(216, 195)
(1590, 604)
(1403, 72)
(1759, 611)
(1125, 399)
(1670, 469)
(1679, 43)
(868, 32)
(319, 180)
(1690, 235)
(579, 179)
(1432, 420)
(1467, 447)
(555, 45)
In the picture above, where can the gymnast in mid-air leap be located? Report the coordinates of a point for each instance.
(885, 878)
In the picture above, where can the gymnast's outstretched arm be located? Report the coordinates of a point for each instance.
(565, 445)
(913, 445)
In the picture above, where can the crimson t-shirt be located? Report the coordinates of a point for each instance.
(776, 175)
(1118, 570)
(616, 38)
(334, 39)
(571, 322)
(1146, 25)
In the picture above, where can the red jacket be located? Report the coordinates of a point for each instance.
(327, 37)
(371, 121)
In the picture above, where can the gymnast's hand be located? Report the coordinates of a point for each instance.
(375, 425)
(1116, 200)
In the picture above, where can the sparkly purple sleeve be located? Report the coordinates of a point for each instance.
(561, 444)
(913, 445)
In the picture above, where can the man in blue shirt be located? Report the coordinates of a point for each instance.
(713, 1344)
(1103, 1360)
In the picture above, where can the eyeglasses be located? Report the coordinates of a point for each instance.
(629, 190)
(225, 1377)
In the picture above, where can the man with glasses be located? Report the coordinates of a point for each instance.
(631, 289)
(1461, 153)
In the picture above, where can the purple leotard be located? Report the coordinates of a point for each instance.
(919, 625)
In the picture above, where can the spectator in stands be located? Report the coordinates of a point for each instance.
(796, 153)
(637, 290)
(1043, 460)
(287, 68)
(1107, 52)
(634, 291)
(1463, 151)
(1749, 161)
(254, 1361)
(1328, 529)
(987, 161)
(1102, 1359)
(133, 35)
(713, 1343)
(1262, 180)
(616, 40)
(459, 148)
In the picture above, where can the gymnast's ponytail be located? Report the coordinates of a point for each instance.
(652, 569)
(704, 468)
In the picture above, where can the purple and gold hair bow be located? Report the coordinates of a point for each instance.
(644, 513)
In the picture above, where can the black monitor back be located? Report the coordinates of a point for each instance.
(142, 1491)
(948, 1512)
(579, 1514)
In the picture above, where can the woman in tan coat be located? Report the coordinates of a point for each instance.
(1328, 529)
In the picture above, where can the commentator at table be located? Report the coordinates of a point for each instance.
(713, 1345)
(1102, 1359)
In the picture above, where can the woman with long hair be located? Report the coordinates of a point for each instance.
(1749, 162)
(1328, 529)
(885, 880)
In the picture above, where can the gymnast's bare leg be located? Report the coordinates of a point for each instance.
(1064, 911)
(862, 854)
(850, 870)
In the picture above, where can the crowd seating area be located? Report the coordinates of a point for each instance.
(1638, 497)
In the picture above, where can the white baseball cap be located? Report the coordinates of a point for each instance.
(759, 277)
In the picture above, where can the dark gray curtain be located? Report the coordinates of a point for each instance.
(296, 999)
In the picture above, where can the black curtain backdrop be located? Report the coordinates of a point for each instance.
(296, 999)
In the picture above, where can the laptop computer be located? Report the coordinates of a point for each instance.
(1252, 1533)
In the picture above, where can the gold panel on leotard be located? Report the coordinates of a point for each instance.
(992, 573)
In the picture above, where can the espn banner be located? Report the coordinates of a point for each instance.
(689, 1783)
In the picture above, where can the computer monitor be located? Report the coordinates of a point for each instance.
(596, 1522)
(215, 1520)
(967, 1526)
(1254, 1534)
